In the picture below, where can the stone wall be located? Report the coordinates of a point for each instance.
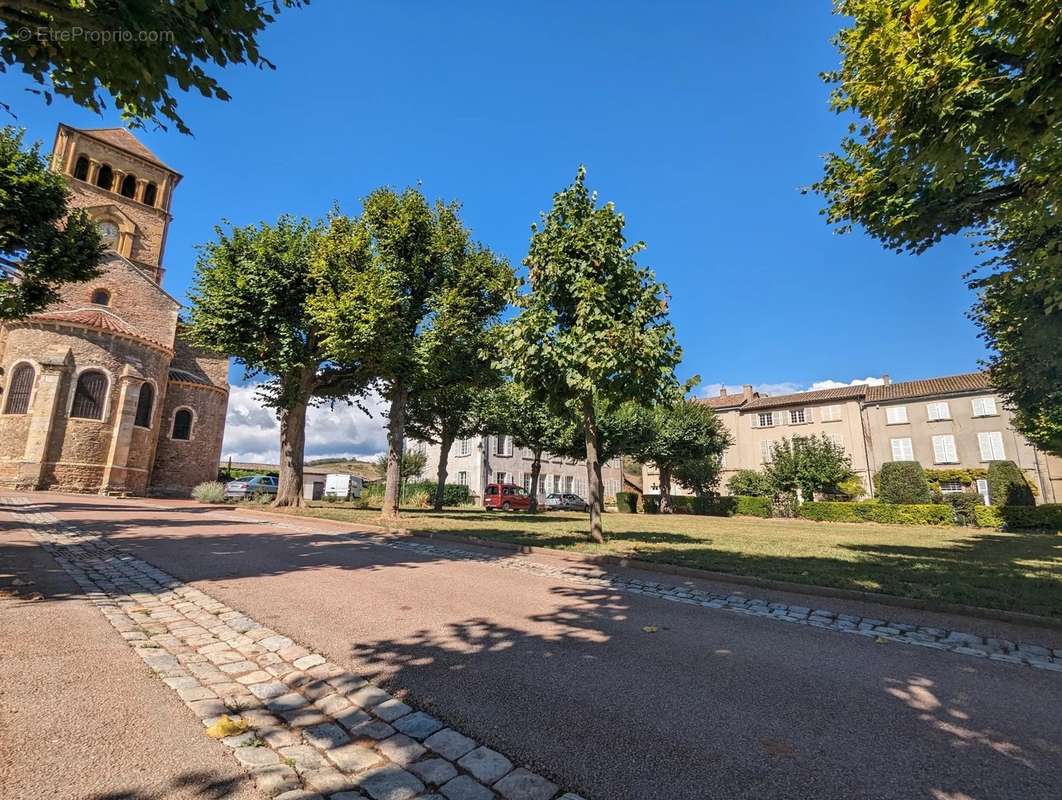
(180, 465)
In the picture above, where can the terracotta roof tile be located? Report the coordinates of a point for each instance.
(818, 396)
(723, 401)
(950, 384)
(97, 318)
(124, 140)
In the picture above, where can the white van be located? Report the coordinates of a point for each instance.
(342, 486)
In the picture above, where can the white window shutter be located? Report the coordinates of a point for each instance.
(984, 441)
(938, 449)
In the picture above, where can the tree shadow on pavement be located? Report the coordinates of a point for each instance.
(193, 784)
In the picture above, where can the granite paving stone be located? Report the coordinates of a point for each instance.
(449, 743)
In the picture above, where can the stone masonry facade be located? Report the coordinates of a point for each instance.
(101, 392)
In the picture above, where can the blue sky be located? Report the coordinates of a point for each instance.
(701, 121)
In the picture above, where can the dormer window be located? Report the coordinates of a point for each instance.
(150, 193)
(81, 169)
(128, 188)
(106, 177)
(101, 297)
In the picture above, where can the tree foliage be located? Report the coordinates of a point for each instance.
(42, 243)
(593, 329)
(250, 300)
(960, 129)
(750, 483)
(412, 465)
(136, 52)
(805, 465)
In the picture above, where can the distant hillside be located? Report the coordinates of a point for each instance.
(352, 466)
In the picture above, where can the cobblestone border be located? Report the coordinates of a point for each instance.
(313, 728)
(961, 642)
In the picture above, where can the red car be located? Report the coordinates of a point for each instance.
(506, 496)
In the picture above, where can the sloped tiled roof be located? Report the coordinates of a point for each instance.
(800, 398)
(183, 376)
(97, 318)
(124, 140)
(723, 401)
(950, 384)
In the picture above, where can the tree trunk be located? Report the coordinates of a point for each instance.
(446, 441)
(292, 450)
(396, 439)
(665, 490)
(593, 469)
(536, 470)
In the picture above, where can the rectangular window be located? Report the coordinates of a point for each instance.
(464, 447)
(938, 411)
(896, 415)
(766, 420)
(944, 449)
(984, 406)
(991, 444)
(830, 413)
(902, 450)
(503, 445)
(951, 487)
(500, 477)
(526, 482)
(462, 478)
(796, 416)
(766, 451)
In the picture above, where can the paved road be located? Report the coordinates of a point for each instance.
(563, 677)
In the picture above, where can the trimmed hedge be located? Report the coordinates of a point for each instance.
(1047, 517)
(413, 492)
(988, 517)
(744, 505)
(885, 513)
(1007, 485)
(627, 502)
(903, 482)
(650, 503)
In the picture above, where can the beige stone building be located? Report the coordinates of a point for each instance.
(481, 460)
(956, 421)
(100, 391)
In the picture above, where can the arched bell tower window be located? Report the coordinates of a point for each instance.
(101, 297)
(106, 177)
(150, 193)
(128, 186)
(81, 168)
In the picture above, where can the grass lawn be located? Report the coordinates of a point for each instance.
(987, 568)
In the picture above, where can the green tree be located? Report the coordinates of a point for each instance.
(42, 243)
(511, 410)
(70, 47)
(411, 466)
(959, 130)
(250, 300)
(426, 284)
(750, 483)
(686, 436)
(593, 328)
(805, 465)
(700, 476)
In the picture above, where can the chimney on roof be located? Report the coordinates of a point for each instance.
(722, 391)
(747, 391)
(885, 379)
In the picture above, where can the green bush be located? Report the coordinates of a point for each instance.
(734, 504)
(682, 504)
(209, 492)
(965, 505)
(650, 503)
(1047, 517)
(884, 513)
(988, 517)
(420, 493)
(1007, 485)
(627, 502)
(903, 482)
(750, 483)
(454, 494)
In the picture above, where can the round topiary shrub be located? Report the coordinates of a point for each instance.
(903, 482)
(209, 492)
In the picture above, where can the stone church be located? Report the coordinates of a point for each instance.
(101, 391)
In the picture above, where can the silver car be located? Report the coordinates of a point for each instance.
(251, 486)
(566, 502)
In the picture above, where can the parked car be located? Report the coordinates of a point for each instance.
(506, 496)
(251, 486)
(566, 502)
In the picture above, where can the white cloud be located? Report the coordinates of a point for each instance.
(786, 387)
(252, 431)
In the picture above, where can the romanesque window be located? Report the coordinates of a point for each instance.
(106, 177)
(144, 404)
(101, 297)
(150, 192)
(89, 395)
(182, 425)
(19, 390)
(128, 186)
(81, 169)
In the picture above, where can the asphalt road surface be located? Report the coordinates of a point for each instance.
(563, 677)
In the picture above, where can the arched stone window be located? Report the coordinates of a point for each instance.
(150, 193)
(101, 297)
(81, 168)
(106, 177)
(128, 186)
(90, 395)
(19, 389)
(144, 406)
(182, 424)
